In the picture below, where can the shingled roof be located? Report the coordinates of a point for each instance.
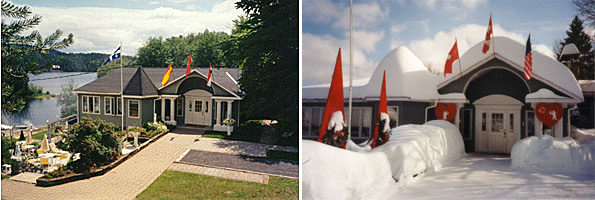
(147, 81)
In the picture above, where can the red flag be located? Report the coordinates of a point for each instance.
(528, 59)
(166, 76)
(486, 42)
(452, 56)
(188, 66)
(210, 77)
(382, 109)
(334, 101)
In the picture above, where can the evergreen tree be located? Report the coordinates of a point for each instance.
(16, 47)
(269, 47)
(581, 65)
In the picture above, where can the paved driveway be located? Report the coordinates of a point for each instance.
(243, 162)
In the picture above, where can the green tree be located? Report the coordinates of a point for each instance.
(7, 143)
(67, 100)
(268, 42)
(582, 66)
(16, 47)
(206, 48)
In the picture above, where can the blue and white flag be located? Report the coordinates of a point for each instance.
(114, 56)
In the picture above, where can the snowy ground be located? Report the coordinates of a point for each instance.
(490, 177)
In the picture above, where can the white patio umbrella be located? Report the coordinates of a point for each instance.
(45, 146)
(29, 138)
(17, 150)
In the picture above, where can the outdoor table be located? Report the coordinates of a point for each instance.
(28, 147)
(47, 155)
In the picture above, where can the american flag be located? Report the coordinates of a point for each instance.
(528, 59)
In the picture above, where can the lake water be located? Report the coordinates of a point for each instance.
(38, 111)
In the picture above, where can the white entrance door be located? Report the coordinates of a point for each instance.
(197, 111)
(497, 125)
(198, 108)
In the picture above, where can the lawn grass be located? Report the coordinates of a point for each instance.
(283, 155)
(39, 136)
(211, 135)
(182, 185)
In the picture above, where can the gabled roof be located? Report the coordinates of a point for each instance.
(147, 81)
(545, 68)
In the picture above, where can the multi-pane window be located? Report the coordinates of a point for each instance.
(224, 111)
(483, 122)
(360, 128)
(91, 104)
(530, 119)
(119, 106)
(108, 105)
(497, 122)
(133, 108)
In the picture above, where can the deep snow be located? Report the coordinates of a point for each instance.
(412, 152)
(554, 154)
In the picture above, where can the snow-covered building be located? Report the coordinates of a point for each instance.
(495, 104)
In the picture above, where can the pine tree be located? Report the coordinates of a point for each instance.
(581, 66)
(16, 47)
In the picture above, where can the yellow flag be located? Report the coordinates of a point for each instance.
(165, 79)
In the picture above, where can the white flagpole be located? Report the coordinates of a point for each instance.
(493, 45)
(350, 65)
(121, 86)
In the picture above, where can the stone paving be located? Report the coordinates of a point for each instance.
(27, 177)
(249, 163)
(123, 182)
(237, 147)
(222, 173)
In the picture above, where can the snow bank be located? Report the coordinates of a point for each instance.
(411, 152)
(584, 136)
(362, 147)
(548, 153)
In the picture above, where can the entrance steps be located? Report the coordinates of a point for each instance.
(192, 129)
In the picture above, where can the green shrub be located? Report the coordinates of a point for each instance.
(7, 143)
(62, 171)
(152, 129)
(96, 141)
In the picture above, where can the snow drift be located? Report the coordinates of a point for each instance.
(547, 153)
(411, 152)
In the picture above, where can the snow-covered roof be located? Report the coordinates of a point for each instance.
(545, 69)
(587, 86)
(453, 98)
(406, 78)
(546, 96)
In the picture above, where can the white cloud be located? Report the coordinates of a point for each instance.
(397, 28)
(326, 12)
(472, 3)
(154, 2)
(368, 40)
(433, 51)
(102, 29)
(424, 24)
(448, 4)
(320, 53)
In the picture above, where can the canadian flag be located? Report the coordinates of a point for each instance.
(452, 56)
(382, 116)
(334, 109)
(210, 77)
(486, 42)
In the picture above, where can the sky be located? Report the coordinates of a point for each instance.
(427, 27)
(99, 26)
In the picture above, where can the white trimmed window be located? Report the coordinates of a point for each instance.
(118, 106)
(91, 104)
(311, 120)
(108, 105)
(362, 122)
(133, 108)
(179, 106)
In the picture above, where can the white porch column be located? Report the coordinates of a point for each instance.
(457, 116)
(171, 109)
(162, 109)
(218, 121)
(538, 124)
(228, 109)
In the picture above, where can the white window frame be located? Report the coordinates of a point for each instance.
(138, 109)
(361, 118)
(87, 105)
(108, 110)
(118, 101)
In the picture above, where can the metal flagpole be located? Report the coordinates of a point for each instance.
(460, 68)
(350, 65)
(121, 87)
(493, 45)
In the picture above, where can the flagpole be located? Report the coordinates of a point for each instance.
(460, 68)
(350, 65)
(493, 45)
(121, 86)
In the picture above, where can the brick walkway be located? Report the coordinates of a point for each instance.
(123, 182)
(237, 147)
